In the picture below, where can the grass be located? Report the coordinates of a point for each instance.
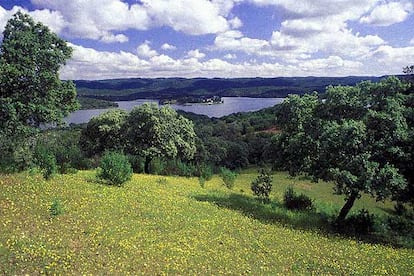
(171, 225)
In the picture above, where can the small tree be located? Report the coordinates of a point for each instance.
(104, 132)
(262, 185)
(228, 176)
(115, 168)
(159, 132)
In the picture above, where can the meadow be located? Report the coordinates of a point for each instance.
(73, 224)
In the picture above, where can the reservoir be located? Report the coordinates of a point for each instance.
(229, 106)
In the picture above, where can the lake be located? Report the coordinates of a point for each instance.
(229, 106)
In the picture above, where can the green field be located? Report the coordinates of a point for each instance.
(170, 225)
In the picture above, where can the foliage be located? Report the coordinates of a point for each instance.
(293, 201)
(56, 208)
(337, 138)
(30, 88)
(228, 176)
(46, 161)
(92, 103)
(104, 132)
(262, 185)
(159, 132)
(361, 223)
(63, 144)
(115, 168)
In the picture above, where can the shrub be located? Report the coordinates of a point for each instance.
(56, 208)
(262, 185)
(46, 162)
(229, 177)
(293, 201)
(202, 181)
(115, 168)
(205, 172)
(361, 223)
(137, 163)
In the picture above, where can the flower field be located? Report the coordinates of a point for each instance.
(170, 225)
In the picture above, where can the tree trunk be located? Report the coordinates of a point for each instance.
(147, 164)
(347, 207)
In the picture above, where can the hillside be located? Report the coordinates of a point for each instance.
(170, 225)
(164, 88)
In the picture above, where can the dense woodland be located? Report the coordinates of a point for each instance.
(359, 137)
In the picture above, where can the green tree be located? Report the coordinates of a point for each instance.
(31, 92)
(104, 132)
(159, 132)
(262, 185)
(357, 137)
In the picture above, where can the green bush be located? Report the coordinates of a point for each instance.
(205, 172)
(228, 176)
(115, 168)
(293, 201)
(46, 162)
(262, 185)
(56, 208)
(137, 163)
(362, 223)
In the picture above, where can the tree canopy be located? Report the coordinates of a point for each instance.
(30, 89)
(359, 136)
(159, 132)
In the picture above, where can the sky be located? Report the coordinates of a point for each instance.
(227, 38)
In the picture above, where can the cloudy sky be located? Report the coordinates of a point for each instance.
(227, 38)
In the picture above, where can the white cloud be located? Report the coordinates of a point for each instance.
(394, 56)
(101, 19)
(236, 41)
(195, 54)
(412, 41)
(168, 47)
(193, 17)
(236, 23)
(388, 14)
(144, 50)
(88, 63)
(53, 19)
(230, 56)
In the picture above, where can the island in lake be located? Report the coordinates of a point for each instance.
(190, 100)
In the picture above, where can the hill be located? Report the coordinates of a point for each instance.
(170, 225)
(166, 88)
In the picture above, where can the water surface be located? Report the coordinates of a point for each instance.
(230, 105)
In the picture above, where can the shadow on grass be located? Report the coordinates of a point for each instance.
(273, 212)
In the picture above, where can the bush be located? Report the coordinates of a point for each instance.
(46, 162)
(293, 201)
(205, 172)
(137, 163)
(361, 223)
(115, 168)
(56, 208)
(262, 185)
(228, 177)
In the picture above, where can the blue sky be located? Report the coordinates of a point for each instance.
(227, 38)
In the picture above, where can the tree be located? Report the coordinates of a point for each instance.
(159, 132)
(30, 89)
(104, 132)
(262, 185)
(356, 136)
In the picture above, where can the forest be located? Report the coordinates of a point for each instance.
(345, 137)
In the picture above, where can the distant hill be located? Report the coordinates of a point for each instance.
(170, 88)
